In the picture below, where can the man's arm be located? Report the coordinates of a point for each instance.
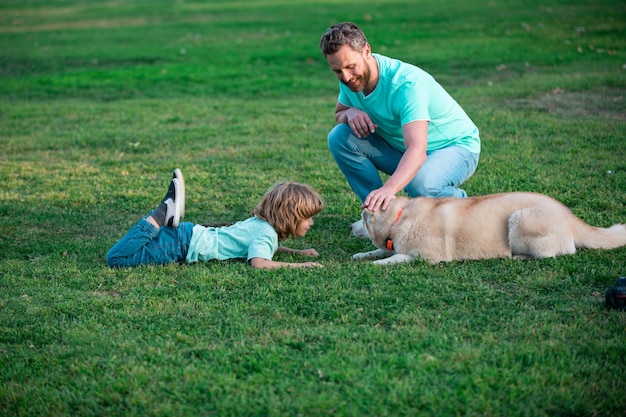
(358, 120)
(415, 140)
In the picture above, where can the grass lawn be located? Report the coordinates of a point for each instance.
(100, 100)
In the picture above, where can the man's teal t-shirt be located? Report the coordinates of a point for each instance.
(406, 93)
(251, 238)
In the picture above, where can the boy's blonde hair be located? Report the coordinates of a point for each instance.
(286, 205)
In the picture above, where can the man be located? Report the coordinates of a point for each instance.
(395, 118)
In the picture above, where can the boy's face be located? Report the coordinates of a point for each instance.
(303, 227)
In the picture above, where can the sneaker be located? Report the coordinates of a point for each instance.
(616, 296)
(174, 199)
(178, 174)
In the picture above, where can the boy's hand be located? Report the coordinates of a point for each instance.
(311, 264)
(309, 252)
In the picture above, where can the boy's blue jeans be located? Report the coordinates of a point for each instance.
(146, 244)
(360, 159)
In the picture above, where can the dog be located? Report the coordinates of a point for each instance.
(506, 225)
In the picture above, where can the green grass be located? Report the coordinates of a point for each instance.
(99, 101)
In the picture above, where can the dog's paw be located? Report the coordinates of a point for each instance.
(375, 254)
(394, 259)
(360, 256)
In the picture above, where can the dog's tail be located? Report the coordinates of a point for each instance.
(590, 237)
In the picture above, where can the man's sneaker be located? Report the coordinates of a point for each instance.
(178, 174)
(174, 199)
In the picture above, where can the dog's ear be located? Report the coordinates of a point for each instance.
(366, 215)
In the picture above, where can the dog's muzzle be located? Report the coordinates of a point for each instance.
(359, 230)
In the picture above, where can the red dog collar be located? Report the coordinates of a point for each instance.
(389, 242)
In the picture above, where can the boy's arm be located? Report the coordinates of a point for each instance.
(304, 252)
(269, 264)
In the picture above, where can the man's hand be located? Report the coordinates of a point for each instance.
(378, 198)
(360, 122)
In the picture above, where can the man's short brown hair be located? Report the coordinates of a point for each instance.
(346, 33)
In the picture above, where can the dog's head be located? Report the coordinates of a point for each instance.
(359, 230)
(376, 225)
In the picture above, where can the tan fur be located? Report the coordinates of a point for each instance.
(506, 225)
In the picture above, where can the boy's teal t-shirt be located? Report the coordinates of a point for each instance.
(251, 238)
(406, 93)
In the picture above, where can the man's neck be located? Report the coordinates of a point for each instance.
(373, 81)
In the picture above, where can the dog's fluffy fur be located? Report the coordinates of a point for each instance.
(506, 225)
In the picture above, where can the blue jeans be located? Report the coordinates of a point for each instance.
(146, 244)
(360, 159)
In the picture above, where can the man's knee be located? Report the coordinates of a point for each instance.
(338, 136)
(417, 189)
(434, 189)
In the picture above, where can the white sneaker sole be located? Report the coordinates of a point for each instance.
(178, 174)
(179, 197)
